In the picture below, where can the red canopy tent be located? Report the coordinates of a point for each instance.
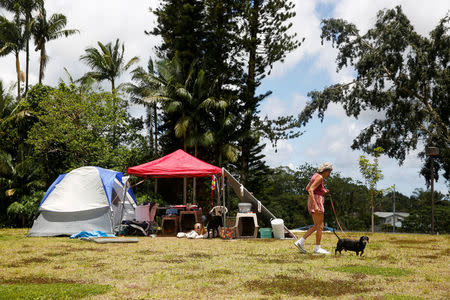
(175, 164)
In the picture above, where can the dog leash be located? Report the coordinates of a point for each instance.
(331, 199)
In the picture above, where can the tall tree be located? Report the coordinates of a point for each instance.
(372, 174)
(147, 84)
(12, 40)
(399, 72)
(46, 30)
(108, 63)
(26, 8)
(180, 25)
(266, 39)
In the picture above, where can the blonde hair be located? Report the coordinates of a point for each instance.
(325, 167)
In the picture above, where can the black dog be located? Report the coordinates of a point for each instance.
(213, 225)
(351, 245)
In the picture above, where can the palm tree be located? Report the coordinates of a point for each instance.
(26, 8)
(185, 101)
(46, 30)
(147, 85)
(108, 63)
(12, 40)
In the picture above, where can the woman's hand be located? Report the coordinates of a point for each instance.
(327, 191)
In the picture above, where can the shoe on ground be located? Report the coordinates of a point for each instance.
(300, 246)
(320, 251)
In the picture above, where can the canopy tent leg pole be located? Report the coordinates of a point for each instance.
(223, 197)
(125, 188)
(156, 185)
(184, 189)
(194, 201)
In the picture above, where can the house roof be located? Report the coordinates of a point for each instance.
(383, 214)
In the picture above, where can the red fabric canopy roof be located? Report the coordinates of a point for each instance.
(175, 164)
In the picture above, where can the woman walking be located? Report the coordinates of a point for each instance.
(316, 189)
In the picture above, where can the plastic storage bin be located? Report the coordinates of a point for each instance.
(265, 233)
(244, 207)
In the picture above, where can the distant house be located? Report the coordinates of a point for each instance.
(388, 217)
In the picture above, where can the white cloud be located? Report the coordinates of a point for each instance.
(306, 24)
(282, 155)
(275, 107)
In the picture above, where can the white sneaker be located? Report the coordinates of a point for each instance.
(300, 245)
(319, 250)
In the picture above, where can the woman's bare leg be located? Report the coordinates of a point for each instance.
(310, 231)
(318, 224)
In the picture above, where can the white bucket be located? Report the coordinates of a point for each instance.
(277, 228)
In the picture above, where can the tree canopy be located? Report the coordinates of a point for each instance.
(398, 72)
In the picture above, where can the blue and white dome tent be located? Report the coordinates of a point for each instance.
(85, 199)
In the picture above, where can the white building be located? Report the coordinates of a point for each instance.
(388, 217)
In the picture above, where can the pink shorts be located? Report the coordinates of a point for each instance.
(319, 200)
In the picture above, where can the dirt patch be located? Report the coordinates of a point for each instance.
(94, 249)
(98, 265)
(148, 252)
(172, 260)
(359, 276)
(293, 286)
(446, 252)
(220, 272)
(26, 261)
(430, 256)
(198, 255)
(415, 247)
(55, 254)
(384, 257)
(36, 280)
(411, 241)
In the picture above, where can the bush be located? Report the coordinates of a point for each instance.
(25, 210)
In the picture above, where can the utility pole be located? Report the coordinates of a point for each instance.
(432, 152)
(393, 216)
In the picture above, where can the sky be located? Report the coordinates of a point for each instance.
(310, 67)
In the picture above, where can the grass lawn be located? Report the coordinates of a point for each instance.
(395, 266)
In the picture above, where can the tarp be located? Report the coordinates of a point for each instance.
(175, 164)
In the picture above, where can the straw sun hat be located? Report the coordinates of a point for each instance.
(325, 167)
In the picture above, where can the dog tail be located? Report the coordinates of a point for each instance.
(334, 231)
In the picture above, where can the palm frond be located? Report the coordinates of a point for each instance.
(174, 106)
(181, 126)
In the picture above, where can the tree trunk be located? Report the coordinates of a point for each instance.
(372, 208)
(27, 21)
(18, 75)
(41, 64)
(184, 178)
(250, 91)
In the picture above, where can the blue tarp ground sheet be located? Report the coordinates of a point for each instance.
(94, 233)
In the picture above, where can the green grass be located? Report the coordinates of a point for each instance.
(401, 297)
(373, 270)
(51, 291)
(394, 266)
